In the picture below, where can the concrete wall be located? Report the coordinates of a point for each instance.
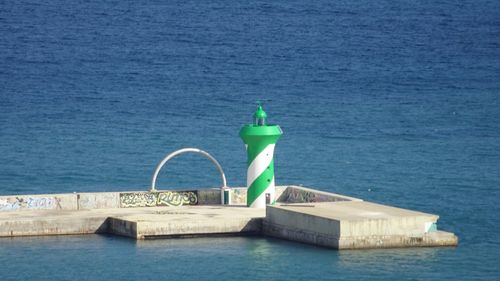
(210, 196)
(130, 199)
(407, 225)
(279, 191)
(100, 200)
(299, 194)
(107, 200)
(291, 194)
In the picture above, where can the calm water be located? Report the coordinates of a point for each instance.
(396, 103)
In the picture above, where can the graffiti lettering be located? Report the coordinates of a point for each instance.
(172, 198)
(238, 196)
(292, 195)
(40, 203)
(152, 199)
(15, 203)
(138, 199)
(9, 204)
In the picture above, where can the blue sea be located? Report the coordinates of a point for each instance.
(396, 102)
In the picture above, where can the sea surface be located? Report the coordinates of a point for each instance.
(396, 102)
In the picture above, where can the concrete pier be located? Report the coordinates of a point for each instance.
(300, 214)
(354, 225)
(188, 221)
(137, 223)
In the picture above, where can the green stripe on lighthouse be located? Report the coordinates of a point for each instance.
(260, 139)
(260, 184)
(256, 145)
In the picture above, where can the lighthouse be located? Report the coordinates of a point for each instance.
(260, 139)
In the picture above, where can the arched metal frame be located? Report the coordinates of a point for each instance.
(185, 150)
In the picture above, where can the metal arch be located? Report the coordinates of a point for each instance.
(181, 151)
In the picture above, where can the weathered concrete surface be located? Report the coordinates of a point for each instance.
(210, 196)
(53, 222)
(354, 225)
(188, 220)
(98, 200)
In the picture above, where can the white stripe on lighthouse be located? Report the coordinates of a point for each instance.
(260, 164)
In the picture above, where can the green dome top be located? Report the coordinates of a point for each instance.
(260, 116)
(260, 113)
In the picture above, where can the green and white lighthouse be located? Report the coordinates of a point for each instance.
(260, 139)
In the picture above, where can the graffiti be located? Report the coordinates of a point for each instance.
(173, 198)
(41, 203)
(138, 199)
(238, 196)
(292, 195)
(9, 204)
(152, 199)
(36, 203)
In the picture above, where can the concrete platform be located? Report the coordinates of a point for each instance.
(188, 221)
(138, 223)
(354, 225)
(54, 222)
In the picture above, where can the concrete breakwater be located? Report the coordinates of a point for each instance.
(300, 214)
